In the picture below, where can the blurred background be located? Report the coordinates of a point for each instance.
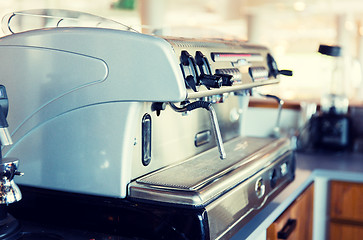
(292, 29)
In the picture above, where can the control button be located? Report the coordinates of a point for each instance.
(260, 188)
(284, 169)
(273, 178)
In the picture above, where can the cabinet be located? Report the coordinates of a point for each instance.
(346, 210)
(296, 222)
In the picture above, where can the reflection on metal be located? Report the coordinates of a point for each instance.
(146, 139)
(202, 138)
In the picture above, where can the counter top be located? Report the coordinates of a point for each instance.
(309, 167)
(293, 104)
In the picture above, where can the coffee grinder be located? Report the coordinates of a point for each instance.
(330, 128)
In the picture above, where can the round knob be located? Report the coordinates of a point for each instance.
(260, 188)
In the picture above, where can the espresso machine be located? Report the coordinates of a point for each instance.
(136, 135)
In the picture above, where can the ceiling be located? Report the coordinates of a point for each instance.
(296, 25)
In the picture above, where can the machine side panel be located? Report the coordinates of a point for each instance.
(40, 81)
(141, 67)
(97, 138)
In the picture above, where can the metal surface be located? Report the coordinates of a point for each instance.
(9, 191)
(217, 132)
(204, 178)
(213, 119)
(233, 52)
(231, 191)
(234, 88)
(90, 61)
(90, 118)
(202, 138)
(276, 132)
(5, 138)
(83, 97)
(234, 209)
(21, 21)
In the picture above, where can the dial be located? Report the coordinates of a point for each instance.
(260, 188)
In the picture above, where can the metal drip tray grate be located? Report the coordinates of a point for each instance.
(204, 167)
(204, 177)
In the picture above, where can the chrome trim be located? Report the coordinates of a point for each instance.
(217, 132)
(233, 210)
(202, 138)
(236, 57)
(5, 137)
(226, 89)
(213, 119)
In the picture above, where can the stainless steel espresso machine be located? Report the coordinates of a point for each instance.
(136, 135)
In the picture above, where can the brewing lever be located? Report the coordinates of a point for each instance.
(273, 69)
(214, 121)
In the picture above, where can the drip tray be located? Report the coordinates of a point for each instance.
(204, 178)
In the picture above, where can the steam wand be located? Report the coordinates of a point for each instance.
(276, 130)
(213, 118)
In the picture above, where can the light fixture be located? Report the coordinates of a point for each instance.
(299, 6)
